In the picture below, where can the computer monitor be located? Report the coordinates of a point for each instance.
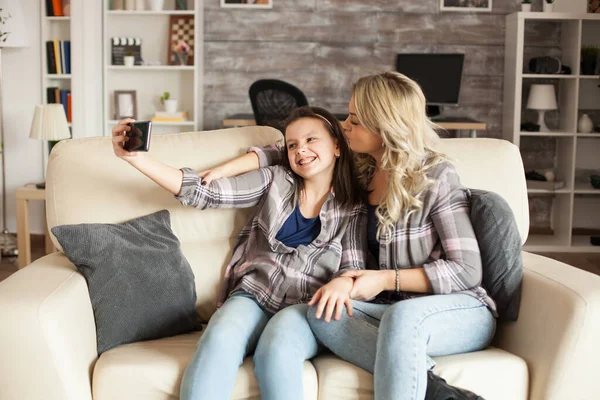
(439, 75)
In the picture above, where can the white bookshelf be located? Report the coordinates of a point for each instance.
(575, 210)
(54, 28)
(150, 81)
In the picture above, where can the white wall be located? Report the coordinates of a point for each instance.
(21, 91)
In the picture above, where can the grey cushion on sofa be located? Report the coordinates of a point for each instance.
(500, 245)
(141, 286)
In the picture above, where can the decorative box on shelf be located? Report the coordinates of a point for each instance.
(123, 46)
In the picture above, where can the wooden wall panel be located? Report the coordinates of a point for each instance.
(323, 46)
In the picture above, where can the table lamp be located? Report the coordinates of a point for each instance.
(12, 34)
(542, 98)
(50, 124)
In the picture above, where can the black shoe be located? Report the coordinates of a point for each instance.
(438, 389)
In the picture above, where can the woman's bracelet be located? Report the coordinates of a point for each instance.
(397, 281)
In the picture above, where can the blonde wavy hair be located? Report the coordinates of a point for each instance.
(392, 106)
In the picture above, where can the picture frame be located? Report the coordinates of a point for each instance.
(466, 5)
(125, 104)
(246, 3)
(181, 27)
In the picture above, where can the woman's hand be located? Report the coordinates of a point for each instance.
(333, 296)
(119, 137)
(368, 283)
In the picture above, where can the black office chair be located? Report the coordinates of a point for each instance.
(273, 100)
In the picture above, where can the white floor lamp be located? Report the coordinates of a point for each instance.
(12, 34)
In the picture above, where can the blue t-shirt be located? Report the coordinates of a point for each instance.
(372, 231)
(297, 230)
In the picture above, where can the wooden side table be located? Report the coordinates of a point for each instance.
(24, 194)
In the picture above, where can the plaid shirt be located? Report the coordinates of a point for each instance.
(277, 275)
(439, 237)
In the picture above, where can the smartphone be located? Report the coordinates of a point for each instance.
(138, 137)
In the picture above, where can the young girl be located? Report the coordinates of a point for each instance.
(306, 232)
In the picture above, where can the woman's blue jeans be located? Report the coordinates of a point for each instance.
(394, 342)
(280, 344)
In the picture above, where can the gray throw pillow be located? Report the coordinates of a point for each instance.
(500, 245)
(140, 284)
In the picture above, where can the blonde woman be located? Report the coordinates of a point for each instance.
(425, 297)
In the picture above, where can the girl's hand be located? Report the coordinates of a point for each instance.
(212, 174)
(367, 283)
(119, 137)
(333, 295)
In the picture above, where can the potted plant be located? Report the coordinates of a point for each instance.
(526, 5)
(589, 59)
(129, 59)
(548, 5)
(169, 103)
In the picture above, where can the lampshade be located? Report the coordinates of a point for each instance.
(12, 30)
(542, 97)
(49, 123)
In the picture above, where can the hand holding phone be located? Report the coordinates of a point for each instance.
(138, 137)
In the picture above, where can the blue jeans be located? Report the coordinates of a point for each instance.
(239, 327)
(394, 342)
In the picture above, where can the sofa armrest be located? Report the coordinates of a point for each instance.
(557, 330)
(47, 332)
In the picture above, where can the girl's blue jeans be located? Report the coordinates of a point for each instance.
(394, 341)
(281, 343)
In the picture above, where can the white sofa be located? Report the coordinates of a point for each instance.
(47, 331)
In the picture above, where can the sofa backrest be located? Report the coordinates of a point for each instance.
(494, 165)
(87, 183)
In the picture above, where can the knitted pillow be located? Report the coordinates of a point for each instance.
(140, 284)
(500, 246)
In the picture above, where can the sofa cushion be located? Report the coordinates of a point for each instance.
(152, 370)
(500, 245)
(479, 372)
(141, 286)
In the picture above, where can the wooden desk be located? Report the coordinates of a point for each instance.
(451, 123)
(24, 194)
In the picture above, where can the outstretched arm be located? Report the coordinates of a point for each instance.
(186, 184)
(166, 176)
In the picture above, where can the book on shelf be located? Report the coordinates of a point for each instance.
(50, 57)
(545, 185)
(54, 8)
(58, 56)
(162, 116)
(69, 112)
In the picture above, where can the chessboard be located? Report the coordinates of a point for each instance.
(181, 28)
